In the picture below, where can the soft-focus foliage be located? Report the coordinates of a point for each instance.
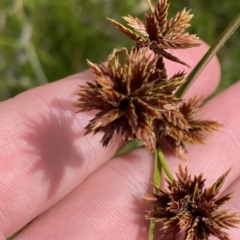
(42, 41)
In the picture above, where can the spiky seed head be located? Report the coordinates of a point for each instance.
(129, 96)
(159, 33)
(189, 205)
(177, 136)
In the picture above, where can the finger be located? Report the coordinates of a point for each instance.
(234, 204)
(44, 153)
(109, 205)
(44, 148)
(222, 148)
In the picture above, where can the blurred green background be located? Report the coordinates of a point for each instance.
(44, 40)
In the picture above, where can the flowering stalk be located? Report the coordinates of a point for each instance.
(159, 164)
(163, 164)
(157, 180)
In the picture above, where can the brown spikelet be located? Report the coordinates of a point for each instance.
(188, 205)
(177, 137)
(127, 31)
(176, 38)
(136, 24)
(158, 33)
(130, 95)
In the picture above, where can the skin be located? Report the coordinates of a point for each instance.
(66, 185)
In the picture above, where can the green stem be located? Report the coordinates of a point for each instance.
(157, 170)
(157, 180)
(208, 56)
(134, 144)
(164, 165)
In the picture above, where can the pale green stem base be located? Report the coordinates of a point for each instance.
(164, 165)
(157, 174)
(159, 164)
(134, 144)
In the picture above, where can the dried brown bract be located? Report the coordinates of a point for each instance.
(188, 205)
(130, 96)
(159, 33)
(178, 137)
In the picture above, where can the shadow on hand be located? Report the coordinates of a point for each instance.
(54, 144)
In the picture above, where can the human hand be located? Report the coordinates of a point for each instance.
(66, 184)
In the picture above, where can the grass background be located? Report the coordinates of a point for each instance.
(45, 40)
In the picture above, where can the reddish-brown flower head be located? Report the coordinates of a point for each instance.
(134, 96)
(130, 95)
(188, 205)
(178, 137)
(158, 32)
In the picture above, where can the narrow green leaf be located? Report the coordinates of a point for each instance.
(130, 146)
(157, 174)
(164, 164)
